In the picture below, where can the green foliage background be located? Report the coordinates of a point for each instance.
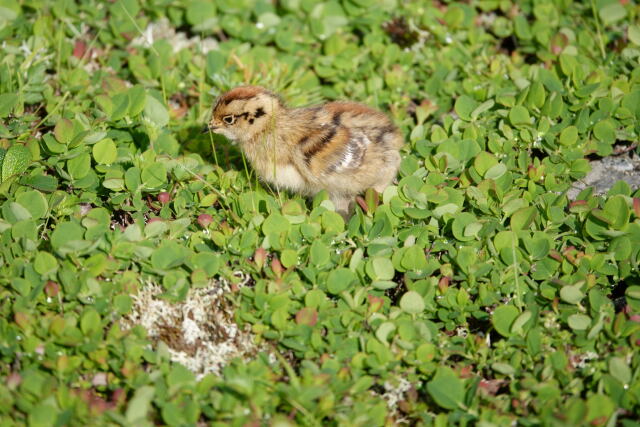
(474, 288)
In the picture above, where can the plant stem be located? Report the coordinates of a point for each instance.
(597, 19)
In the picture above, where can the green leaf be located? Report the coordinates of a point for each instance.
(66, 232)
(7, 102)
(42, 414)
(599, 409)
(612, 12)
(362, 384)
(572, 294)
(496, 171)
(155, 111)
(617, 212)
(79, 166)
(326, 18)
(505, 239)
(551, 82)
(383, 285)
(485, 106)
(412, 303)
(414, 258)
(53, 145)
(45, 263)
(620, 370)
(523, 218)
(34, 202)
(536, 96)
(280, 318)
(461, 150)
(154, 175)
(21, 286)
(122, 304)
(447, 208)
(202, 15)
(207, 261)
(579, 322)
(319, 253)
(16, 160)
(538, 247)
(132, 179)
(105, 103)
(105, 152)
(521, 320)
(172, 414)
(179, 376)
(18, 212)
(169, 255)
(90, 322)
(64, 131)
(522, 28)
(569, 136)
(340, 280)
(137, 100)
(633, 292)
(605, 132)
(275, 223)
(465, 227)
(113, 183)
(633, 33)
(119, 106)
(503, 317)
(465, 106)
(519, 115)
(44, 183)
(384, 330)
(484, 161)
(289, 258)
(216, 61)
(466, 258)
(446, 389)
(379, 268)
(503, 368)
(596, 226)
(140, 404)
(269, 19)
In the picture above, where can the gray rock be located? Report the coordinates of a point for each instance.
(606, 172)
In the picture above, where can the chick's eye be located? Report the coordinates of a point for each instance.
(229, 119)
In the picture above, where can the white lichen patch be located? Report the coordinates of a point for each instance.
(199, 332)
(162, 29)
(582, 360)
(394, 393)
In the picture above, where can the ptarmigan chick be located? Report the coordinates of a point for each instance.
(341, 147)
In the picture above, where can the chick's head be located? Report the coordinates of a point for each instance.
(244, 113)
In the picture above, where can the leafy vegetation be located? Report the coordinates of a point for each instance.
(472, 291)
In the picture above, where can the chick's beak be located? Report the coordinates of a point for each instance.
(205, 129)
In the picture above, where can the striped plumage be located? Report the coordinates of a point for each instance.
(343, 147)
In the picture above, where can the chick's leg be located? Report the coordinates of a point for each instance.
(343, 204)
(388, 173)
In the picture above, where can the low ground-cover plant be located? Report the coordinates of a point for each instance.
(472, 291)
